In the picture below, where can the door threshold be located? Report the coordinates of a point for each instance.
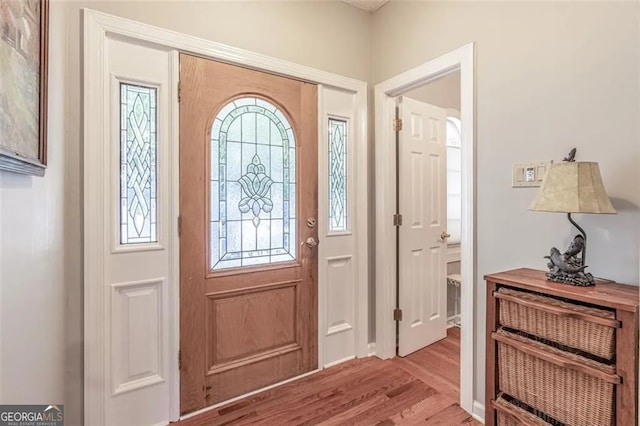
(237, 398)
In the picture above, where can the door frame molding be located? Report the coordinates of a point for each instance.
(461, 59)
(97, 27)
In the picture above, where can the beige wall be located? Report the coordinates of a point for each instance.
(443, 92)
(32, 256)
(41, 219)
(550, 76)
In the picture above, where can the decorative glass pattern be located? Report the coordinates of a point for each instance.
(138, 141)
(253, 185)
(337, 175)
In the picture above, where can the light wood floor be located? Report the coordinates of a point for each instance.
(421, 388)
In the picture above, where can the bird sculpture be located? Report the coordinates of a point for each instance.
(571, 157)
(575, 248)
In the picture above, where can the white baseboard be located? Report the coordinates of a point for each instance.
(478, 411)
(340, 361)
(371, 349)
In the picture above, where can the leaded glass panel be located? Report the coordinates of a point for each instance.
(253, 185)
(337, 175)
(138, 140)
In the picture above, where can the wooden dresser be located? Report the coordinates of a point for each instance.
(559, 354)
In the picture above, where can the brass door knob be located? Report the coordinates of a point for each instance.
(310, 242)
(444, 235)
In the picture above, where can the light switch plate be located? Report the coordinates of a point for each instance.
(529, 175)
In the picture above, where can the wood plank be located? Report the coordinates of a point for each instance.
(491, 360)
(345, 416)
(341, 398)
(452, 415)
(366, 391)
(422, 410)
(431, 377)
(627, 368)
(323, 384)
(399, 399)
(608, 294)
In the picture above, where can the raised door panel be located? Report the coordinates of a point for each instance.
(422, 201)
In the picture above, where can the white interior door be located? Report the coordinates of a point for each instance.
(423, 206)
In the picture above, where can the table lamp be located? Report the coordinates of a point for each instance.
(572, 187)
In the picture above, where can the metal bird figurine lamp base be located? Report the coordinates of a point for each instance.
(568, 267)
(572, 187)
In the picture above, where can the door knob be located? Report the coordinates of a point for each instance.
(310, 242)
(444, 235)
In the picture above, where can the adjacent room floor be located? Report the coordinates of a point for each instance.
(422, 388)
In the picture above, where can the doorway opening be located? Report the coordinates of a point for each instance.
(428, 179)
(433, 224)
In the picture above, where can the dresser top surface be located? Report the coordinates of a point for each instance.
(609, 294)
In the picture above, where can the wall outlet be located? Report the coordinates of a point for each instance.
(528, 175)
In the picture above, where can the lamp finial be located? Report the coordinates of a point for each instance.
(571, 157)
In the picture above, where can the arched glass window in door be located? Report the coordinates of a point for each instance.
(253, 185)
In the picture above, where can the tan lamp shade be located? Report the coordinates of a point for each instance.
(573, 187)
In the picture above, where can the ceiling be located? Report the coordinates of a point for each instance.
(368, 5)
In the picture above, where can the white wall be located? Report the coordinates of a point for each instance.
(574, 82)
(443, 92)
(32, 256)
(550, 76)
(326, 35)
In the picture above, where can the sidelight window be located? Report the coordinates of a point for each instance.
(138, 143)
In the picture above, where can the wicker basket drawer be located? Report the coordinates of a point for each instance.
(579, 327)
(511, 415)
(569, 388)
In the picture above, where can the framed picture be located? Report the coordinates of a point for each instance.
(24, 28)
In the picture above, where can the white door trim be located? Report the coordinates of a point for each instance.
(385, 159)
(97, 27)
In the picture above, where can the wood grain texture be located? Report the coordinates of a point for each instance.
(624, 299)
(438, 365)
(607, 294)
(365, 391)
(491, 359)
(627, 368)
(242, 328)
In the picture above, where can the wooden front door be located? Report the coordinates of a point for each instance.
(248, 207)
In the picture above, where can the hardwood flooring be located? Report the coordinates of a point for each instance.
(437, 365)
(422, 389)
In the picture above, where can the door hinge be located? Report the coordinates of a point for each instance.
(179, 225)
(397, 314)
(397, 219)
(179, 91)
(179, 360)
(397, 124)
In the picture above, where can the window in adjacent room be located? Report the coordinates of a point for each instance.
(454, 179)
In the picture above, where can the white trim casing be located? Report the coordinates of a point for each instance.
(98, 28)
(338, 256)
(478, 411)
(385, 159)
